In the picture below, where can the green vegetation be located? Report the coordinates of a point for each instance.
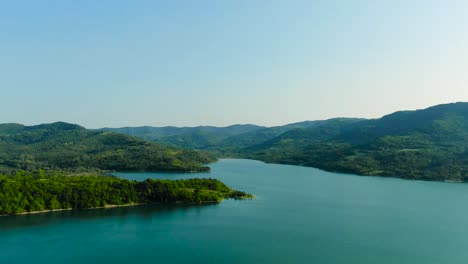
(66, 146)
(61, 166)
(51, 190)
(429, 144)
(202, 137)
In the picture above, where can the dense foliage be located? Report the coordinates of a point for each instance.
(65, 146)
(430, 144)
(29, 192)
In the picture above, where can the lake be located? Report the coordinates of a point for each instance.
(300, 215)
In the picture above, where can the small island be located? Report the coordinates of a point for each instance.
(37, 191)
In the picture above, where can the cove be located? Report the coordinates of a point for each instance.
(300, 215)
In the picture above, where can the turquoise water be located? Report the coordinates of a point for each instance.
(300, 215)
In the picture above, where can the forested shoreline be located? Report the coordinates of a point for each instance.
(426, 144)
(36, 191)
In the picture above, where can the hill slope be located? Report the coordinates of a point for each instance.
(68, 146)
(239, 143)
(202, 137)
(426, 144)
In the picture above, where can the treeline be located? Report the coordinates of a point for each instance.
(430, 163)
(66, 146)
(39, 191)
(429, 144)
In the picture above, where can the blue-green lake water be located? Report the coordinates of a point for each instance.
(300, 215)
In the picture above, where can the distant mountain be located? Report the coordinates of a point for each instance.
(10, 128)
(220, 139)
(248, 140)
(201, 137)
(449, 119)
(66, 146)
(429, 144)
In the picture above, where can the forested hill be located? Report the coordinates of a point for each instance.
(201, 137)
(220, 139)
(68, 146)
(426, 144)
(240, 143)
(429, 144)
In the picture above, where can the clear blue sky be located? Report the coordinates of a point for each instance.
(127, 63)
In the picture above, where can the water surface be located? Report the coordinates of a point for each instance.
(300, 215)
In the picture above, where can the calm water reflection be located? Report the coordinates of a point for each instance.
(301, 215)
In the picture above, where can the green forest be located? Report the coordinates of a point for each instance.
(62, 166)
(67, 146)
(50, 190)
(427, 144)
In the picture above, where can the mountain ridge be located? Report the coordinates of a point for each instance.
(429, 144)
(63, 145)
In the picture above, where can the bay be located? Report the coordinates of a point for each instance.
(300, 215)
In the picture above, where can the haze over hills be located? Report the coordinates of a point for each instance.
(426, 144)
(211, 137)
(67, 146)
(153, 133)
(199, 137)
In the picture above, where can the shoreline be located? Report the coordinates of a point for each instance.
(109, 206)
(349, 173)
